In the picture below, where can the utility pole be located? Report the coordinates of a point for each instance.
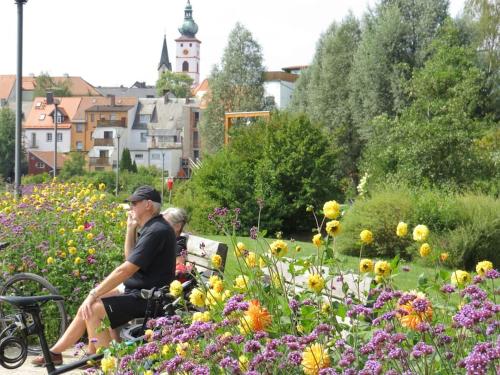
(51, 100)
(117, 162)
(19, 97)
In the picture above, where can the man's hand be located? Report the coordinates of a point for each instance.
(86, 307)
(131, 221)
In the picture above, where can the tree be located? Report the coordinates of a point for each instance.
(44, 83)
(297, 169)
(126, 161)
(74, 166)
(7, 145)
(178, 84)
(286, 161)
(435, 140)
(235, 85)
(394, 42)
(325, 95)
(486, 14)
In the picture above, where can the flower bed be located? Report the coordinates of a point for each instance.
(260, 325)
(71, 234)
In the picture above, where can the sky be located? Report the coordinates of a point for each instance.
(118, 42)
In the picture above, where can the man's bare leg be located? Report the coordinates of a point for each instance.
(103, 337)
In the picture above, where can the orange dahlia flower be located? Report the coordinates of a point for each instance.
(417, 311)
(257, 317)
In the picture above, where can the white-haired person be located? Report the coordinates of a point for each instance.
(178, 218)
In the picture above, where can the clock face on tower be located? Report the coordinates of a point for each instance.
(185, 52)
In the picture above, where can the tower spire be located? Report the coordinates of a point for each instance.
(164, 60)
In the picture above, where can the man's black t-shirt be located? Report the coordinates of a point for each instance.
(154, 254)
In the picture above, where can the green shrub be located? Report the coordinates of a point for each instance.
(438, 209)
(479, 237)
(380, 214)
(465, 226)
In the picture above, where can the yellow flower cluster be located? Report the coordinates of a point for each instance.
(483, 267)
(366, 236)
(331, 209)
(316, 283)
(314, 358)
(175, 288)
(460, 277)
(108, 364)
(279, 248)
(333, 228)
(420, 233)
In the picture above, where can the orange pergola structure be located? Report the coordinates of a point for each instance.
(229, 116)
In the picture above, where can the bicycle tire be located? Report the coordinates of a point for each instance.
(54, 310)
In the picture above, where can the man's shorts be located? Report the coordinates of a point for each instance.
(124, 307)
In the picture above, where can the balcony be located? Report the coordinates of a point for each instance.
(169, 145)
(112, 123)
(103, 142)
(100, 162)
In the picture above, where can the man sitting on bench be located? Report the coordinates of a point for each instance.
(150, 263)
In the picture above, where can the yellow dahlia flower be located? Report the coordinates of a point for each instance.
(331, 209)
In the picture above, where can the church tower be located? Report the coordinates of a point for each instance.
(164, 61)
(188, 47)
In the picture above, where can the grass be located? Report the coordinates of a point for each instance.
(403, 280)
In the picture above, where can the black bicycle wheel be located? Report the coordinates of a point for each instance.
(53, 313)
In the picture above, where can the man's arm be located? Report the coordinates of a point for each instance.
(119, 275)
(130, 236)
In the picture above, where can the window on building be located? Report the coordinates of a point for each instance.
(79, 128)
(196, 154)
(79, 145)
(33, 139)
(40, 165)
(155, 156)
(41, 117)
(144, 137)
(113, 116)
(138, 156)
(59, 117)
(144, 119)
(185, 66)
(49, 137)
(190, 44)
(196, 119)
(108, 135)
(195, 140)
(59, 137)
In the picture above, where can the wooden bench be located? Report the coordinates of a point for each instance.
(200, 251)
(334, 286)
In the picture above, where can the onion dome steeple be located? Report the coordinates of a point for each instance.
(189, 28)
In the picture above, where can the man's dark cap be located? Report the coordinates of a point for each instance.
(144, 192)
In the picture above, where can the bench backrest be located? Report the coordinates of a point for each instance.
(200, 251)
(334, 286)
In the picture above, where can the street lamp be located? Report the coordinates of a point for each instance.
(19, 97)
(162, 172)
(117, 161)
(52, 100)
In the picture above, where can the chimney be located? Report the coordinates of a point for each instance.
(111, 100)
